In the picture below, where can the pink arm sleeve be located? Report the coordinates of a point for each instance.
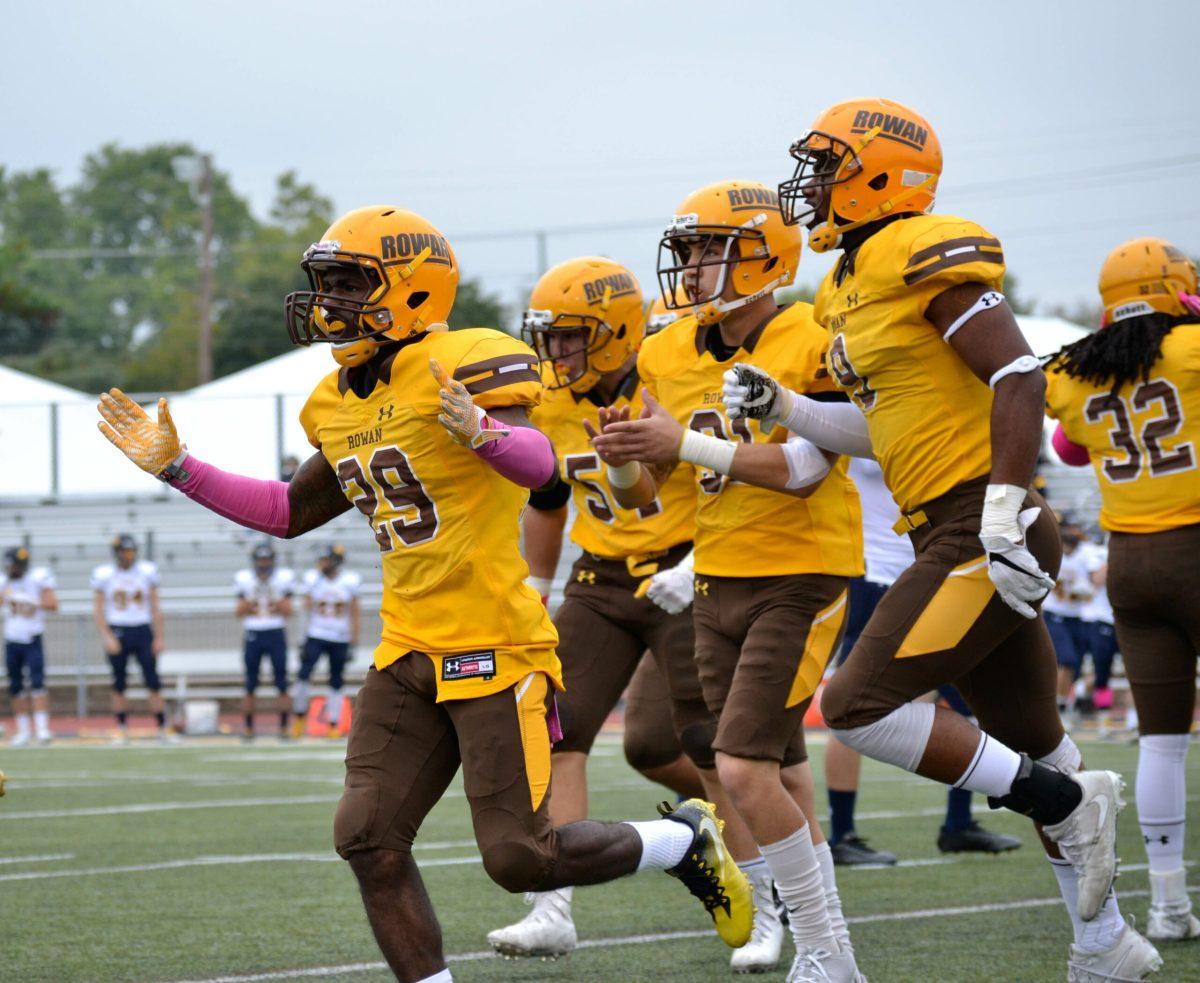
(524, 455)
(250, 502)
(1069, 451)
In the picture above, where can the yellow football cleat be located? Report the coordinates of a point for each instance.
(710, 873)
(2, 781)
(297, 726)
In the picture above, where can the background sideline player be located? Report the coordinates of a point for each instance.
(25, 595)
(332, 606)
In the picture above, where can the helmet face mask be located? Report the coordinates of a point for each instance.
(822, 161)
(686, 249)
(567, 342)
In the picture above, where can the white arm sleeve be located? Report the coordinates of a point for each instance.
(837, 427)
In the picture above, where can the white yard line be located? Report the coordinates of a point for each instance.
(132, 807)
(894, 916)
(259, 858)
(40, 858)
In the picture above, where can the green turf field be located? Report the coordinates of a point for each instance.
(213, 861)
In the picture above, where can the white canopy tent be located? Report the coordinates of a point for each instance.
(244, 422)
(31, 415)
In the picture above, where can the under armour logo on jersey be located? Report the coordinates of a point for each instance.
(586, 577)
(702, 587)
(385, 412)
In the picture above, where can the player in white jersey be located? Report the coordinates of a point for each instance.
(1097, 617)
(25, 595)
(331, 603)
(887, 556)
(264, 603)
(127, 614)
(1062, 610)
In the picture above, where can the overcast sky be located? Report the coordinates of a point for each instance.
(1067, 127)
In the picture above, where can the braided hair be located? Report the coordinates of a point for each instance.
(1122, 352)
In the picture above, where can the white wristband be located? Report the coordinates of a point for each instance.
(707, 452)
(624, 475)
(1001, 507)
(540, 584)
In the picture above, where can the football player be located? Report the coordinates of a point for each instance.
(426, 432)
(128, 617)
(264, 603)
(771, 570)
(585, 321)
(887, 557)
(1063, 610)
(331, 603)
(947, 397)
(1128, 398)
(26, 594)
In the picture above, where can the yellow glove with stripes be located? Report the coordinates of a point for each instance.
(153, 447)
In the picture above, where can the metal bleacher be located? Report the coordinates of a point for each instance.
(197, 554)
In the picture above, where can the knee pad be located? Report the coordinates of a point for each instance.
(1065, 758)
(517, 867)
(898, 739)
(696, 740)
(644, 755)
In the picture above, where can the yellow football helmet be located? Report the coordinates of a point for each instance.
(760, 253)
(404, 278)
(592, 307)
(871, 158)
(658, 315)
(1147, 275)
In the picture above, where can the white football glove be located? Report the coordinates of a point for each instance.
(1019, 579)
(674, 588)
(750, 392)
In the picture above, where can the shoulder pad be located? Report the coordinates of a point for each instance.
(947, 249)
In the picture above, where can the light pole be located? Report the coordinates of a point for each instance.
(197, 171)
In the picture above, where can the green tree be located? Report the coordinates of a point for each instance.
(473, 308)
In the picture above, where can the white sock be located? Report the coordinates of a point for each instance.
(992, 769)
(22, 725)
(335, 707)
(833, 900)
(300, 697)
(41, 721)
(797, 874)
(1161, 798)
(1103, 931)
(442, 977)
(1170, 891)
(559, 898)
(664, 843)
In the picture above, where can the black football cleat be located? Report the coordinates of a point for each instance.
(975, 839)
(852, 850)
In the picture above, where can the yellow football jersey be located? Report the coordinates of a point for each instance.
(1143, 441)
(743, 530)
(446, 523)
(927, 414)
(600, 526)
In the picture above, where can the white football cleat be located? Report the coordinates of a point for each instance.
(1131, 959)
(761, 953)
(1088, 837)
(547, 932)
(1170, 918)
(817, 964)
(19, 740)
